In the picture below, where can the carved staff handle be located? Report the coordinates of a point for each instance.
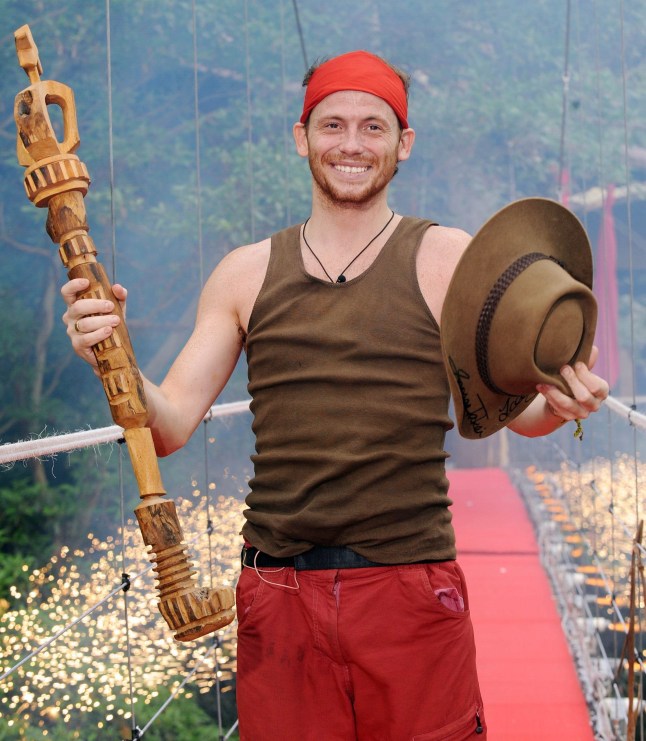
(58, 180)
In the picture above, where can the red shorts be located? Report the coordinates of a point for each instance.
(366, 654)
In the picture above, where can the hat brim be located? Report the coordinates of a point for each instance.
(525, 226)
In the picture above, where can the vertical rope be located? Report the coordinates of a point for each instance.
(628, 202)
(250, 168)
(581, 68)
(124, 571)
(113, 220)
(198, 160)
(283, 76)
(125, 580)
(564, 106)
(632, 320)
(602, 185)
(300, 33)
(207, 496)
(200, 246)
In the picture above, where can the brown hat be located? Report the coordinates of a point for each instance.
(518, 308)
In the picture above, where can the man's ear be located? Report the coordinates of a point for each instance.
(406, 139)
(300, 137)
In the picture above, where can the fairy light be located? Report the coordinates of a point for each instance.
(578, 487)
(80, 679)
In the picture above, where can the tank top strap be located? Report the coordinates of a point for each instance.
(407, 237)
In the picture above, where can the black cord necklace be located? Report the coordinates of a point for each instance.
(341, 278)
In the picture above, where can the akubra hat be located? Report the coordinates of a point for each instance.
(518, 308)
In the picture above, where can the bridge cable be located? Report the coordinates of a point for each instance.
(286, 127)
(113, 242)
(565, 96)
(250, 157)
(299, 28)
(206, 498)
(640, 596)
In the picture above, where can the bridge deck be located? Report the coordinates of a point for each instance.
(528, 679)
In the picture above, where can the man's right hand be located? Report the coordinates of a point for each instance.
(89, 320)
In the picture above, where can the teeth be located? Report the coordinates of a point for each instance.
(351, 170)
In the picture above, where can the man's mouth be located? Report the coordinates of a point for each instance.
(351, 170)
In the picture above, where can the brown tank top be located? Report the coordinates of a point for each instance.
(350, 404)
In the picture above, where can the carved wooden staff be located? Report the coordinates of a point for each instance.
(57, 179)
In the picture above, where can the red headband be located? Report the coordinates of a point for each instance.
(357, 70)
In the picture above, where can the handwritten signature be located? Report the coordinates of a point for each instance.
(512, 403)
(473, 414)
(477, 414)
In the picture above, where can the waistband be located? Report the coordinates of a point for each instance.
(318, 557)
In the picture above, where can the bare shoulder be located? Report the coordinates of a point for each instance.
(441, 249)
(443, 246)
(242, 262)
(235, 282)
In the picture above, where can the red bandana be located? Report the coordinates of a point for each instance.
(357, 70)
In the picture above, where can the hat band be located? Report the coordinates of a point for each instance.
(489, 309)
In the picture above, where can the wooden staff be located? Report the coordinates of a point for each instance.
(57, 179)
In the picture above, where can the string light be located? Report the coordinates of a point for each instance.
(81, 678)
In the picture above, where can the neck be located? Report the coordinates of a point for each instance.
(338, 237)
(351, 226)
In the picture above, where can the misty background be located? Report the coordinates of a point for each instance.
(508, 100)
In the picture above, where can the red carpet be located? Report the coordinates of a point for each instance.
(529, 683)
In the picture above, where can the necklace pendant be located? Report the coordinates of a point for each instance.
(341, 279)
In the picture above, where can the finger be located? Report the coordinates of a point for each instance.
(594, 356)
(72, 288)
(89, 324)
(559, 403)
(89, 307)
(588, 389)
(84, 341)
(121, 294)
(595, 384)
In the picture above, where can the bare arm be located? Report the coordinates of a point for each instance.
(439, 253)
(201, 370)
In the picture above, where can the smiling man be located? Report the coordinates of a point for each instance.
(353, 612)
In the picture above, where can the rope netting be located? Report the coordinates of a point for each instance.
(87, 644)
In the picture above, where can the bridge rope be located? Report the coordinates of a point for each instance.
(597, 495)
(589, 490)
(113, 252)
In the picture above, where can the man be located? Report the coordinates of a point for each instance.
(353, 613)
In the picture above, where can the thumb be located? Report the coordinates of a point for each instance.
(121, 294)
(594, 356)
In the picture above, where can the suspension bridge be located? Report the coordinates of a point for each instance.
(548, 531)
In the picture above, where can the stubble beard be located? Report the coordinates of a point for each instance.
(348, 196)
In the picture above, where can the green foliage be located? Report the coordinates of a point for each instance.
(40, 516)
(182, 720)
(486, 101)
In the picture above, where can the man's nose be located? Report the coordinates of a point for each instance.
(352, 141)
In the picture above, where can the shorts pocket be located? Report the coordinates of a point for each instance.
(446, 587)
(248, 593)
(465, 728)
